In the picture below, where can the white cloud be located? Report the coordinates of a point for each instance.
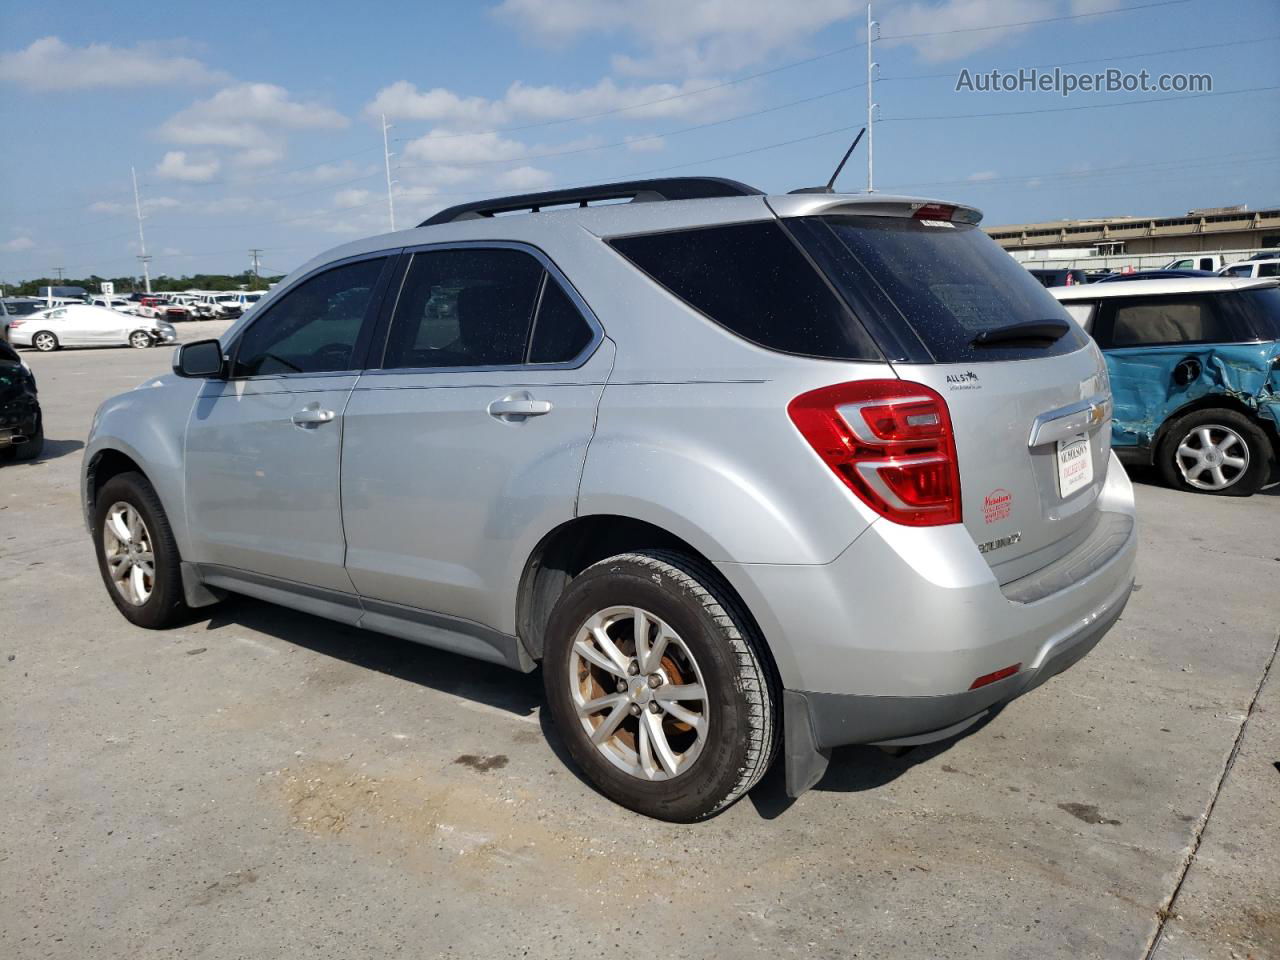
(440, 148)
(176, 166)
(18, 244)
(345, 199)
(251, 117)
(49, 64)
(690, 36)
(981, 176)
(1034, 182)
(950, 24)
(523, 178)
(148, 203)
(646, 144)
(404, 101)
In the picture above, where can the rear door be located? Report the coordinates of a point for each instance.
(467, 446)
(1026, 390)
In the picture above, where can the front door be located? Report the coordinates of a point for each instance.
(467, 446)
(263, 446)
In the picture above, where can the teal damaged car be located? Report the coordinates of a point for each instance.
(1195, 376)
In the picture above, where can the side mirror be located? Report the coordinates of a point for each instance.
(200, 360)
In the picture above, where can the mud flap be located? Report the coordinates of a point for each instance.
(803, 760)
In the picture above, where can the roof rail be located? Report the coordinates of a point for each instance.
(637, 191)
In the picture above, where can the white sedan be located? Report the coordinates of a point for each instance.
(80, 325)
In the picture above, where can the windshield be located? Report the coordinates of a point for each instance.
(929, 288)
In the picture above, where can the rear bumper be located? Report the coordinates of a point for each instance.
(882, 645)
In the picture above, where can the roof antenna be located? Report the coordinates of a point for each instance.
(830, 185)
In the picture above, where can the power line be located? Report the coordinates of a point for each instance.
(1086, 106)
(1027, 23)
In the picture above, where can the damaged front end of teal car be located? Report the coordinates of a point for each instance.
(1195, 377)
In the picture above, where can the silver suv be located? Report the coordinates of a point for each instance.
(748, 476)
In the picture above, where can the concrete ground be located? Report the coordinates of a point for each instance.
(263, 784)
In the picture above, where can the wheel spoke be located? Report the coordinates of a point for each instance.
(1237, 462)
(606, 644)
(119, 529)
(1196, 469)
(658, 741)
(591, 707)
(1219, 479)
(609, 724)
(1206, 438)
(648, 765)
(589, 653)
(679, 691)
(1185, 451)
(119, 564)
(641, 626)
(137, 581)
(135, 524)
(684, 716)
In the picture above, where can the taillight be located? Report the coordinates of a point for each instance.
(891, 443)
(16, 322)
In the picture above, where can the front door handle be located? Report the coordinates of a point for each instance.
(311, 415)
(518, 407)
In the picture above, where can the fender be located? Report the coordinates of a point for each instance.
(148, 425)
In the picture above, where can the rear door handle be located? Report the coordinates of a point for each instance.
(516, 408)
(311, 415)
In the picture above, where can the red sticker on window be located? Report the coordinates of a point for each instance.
(997, 505)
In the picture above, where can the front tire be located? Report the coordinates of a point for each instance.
(659, 686)
(140, 339)
(45, 342)
(1218, 452)
(137, 555)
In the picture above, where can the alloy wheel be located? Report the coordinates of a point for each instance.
(131, 562)
(139, 339)
(44, 342)
(1212, 457)
(639, 693)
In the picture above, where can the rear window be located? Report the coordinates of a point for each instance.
(932, 288)
(752, 279)
(1258, 312)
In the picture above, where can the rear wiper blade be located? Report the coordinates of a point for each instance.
(1035, 333)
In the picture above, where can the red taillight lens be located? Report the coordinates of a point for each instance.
(16, 322)
(935, 211)
(988, 678)
(891, 443)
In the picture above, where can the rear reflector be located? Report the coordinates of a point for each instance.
(890, 442)
(985, 679)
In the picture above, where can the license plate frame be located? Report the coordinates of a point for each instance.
(1074, 462)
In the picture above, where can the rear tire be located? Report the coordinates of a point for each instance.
(711, 656)
(153, 600)
(45, 342)
(1217, 452)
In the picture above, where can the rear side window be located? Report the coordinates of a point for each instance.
(1157, 321)
(559, 331)
(753, 280)
(943, 282)
(1242, 271)
(1081, 313)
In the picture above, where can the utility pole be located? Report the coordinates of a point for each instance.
(386, 158)
(58, 271)
(254, 255)
(872, 25)
(142, 241)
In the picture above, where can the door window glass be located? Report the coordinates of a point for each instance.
(313, 327)
(467, 307)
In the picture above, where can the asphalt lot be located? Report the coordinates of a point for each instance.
(263, 784)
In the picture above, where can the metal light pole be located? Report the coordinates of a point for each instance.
(254, 254)
(386, 159)
(142, 241)
(871, 104)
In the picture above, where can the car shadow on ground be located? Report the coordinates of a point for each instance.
(52, 450)
(508, 690)
(851, 770)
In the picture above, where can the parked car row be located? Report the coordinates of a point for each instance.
(83, 325)
(1263, 264)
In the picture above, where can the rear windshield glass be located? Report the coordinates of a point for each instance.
(927, 289)
(753, 279)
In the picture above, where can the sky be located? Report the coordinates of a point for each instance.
(258, 125)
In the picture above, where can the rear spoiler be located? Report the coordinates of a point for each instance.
(870, 205)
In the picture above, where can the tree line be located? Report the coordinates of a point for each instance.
(160, 284)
